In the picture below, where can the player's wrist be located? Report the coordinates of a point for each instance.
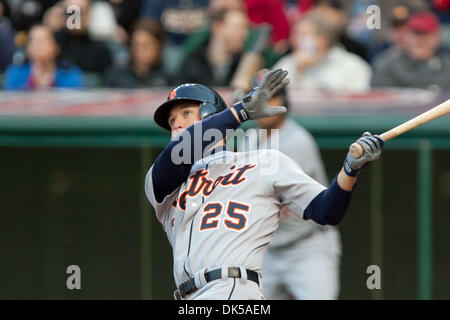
(241, 113)
(348, 170)
(346, 182)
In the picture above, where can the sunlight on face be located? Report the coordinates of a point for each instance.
(183, 115)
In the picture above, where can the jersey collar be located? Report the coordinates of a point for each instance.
(215, 154)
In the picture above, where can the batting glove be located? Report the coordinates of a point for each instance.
(256, 104)
(372, 145)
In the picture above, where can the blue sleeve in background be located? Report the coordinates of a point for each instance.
(16, 77)
(69, 78)
(330, 206)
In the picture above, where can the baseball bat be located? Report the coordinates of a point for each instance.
(441, 110)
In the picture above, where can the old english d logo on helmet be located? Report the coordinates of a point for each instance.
(172, 94)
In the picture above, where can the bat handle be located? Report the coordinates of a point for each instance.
(356, 150)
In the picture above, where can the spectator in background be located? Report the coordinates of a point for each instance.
(145, 69)
(333, 13)
(179, 19)
(55, 17)
(103, 24)
(78, 46)
(270, 55)
(442, 9)
(126, 12)
(103, 27)
(294, 9)
(5, 9)
(261, 11)
(6, 37)
(219, 5)
(26, 13)
(317, 62)
(43, 70)
(398, 29)
(215, 60)
(357, 27)
(422, 63)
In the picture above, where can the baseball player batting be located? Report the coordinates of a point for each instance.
(220, 208)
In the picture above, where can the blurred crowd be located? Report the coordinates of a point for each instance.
(324, 44)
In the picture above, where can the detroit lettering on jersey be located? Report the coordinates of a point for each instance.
(199, 182)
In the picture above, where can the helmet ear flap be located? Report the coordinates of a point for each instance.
(207, 109)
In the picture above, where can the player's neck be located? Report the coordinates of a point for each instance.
(276, 125)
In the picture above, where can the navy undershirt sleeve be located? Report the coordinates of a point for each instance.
(329, 206)
(167, 175)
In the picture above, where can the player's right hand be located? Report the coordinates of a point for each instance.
(372, 146)
(256, 103)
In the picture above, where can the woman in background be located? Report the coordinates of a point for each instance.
(43, 70)
(145, 69)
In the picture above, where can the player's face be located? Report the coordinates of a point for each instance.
(273, 122)
(182, 116)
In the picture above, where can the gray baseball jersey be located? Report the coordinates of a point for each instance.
(298, 144)
(227, 210)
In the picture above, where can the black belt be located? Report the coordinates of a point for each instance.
(188, 287)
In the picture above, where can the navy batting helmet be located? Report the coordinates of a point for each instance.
(210, 102)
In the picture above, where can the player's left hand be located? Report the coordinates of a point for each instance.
(256, 103)
(372, 146)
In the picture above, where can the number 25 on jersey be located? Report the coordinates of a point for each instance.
(235, 216)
